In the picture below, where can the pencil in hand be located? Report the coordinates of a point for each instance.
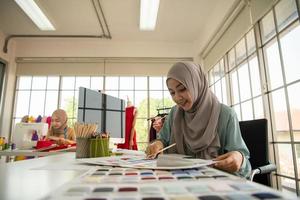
(154, 156)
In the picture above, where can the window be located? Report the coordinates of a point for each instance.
(281, 47)
(264, 77)
(245, 79)
(41, 95)
(217, 81)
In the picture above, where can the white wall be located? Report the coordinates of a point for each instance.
(97, 56)
(6, 105)
(99, 48)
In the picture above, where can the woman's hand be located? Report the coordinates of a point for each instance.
(63, 141)
(230, 162)
(157, 124)
(153, 148)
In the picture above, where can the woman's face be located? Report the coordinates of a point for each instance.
(55, 122)
(180, 94)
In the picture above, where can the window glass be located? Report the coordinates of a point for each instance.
(267, 27)
(237, 110)
(211, 76)
(141, 126)
(39, 82)
(231, 58)
(68, 83)
(240, 49)
(111, 83)
(22, 107)
(288, 186)
(280, 115)
(96, 83)
(83, 81)
(294, 101)
(235, 87)
(127, 93)
(24, 82)
(165, 83)
(218, 90)
(255, 78)
(222, 67)
(245, 92)
(286, 11)
(216, 71)
(52, 82)
(67, 101)
(224, 91)
(273, 65)
(37, 101)
(140, 83)
(285, 160)
(75, 106)
(126, 83)
(156, 102)
(258, 108)
(251, 47)
(290, 45)
(168, 102)
(155, 83)
(51, 102)
(247, 111)
(141, 102)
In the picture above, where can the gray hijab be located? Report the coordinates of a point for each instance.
(195, 130)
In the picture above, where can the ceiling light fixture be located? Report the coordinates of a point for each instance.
(148, 14)
(35, 14)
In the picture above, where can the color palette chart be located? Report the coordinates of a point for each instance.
(114, 183)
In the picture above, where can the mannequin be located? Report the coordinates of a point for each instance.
(130, 134)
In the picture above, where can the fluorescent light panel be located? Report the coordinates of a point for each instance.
(148, 14)
(35, 14)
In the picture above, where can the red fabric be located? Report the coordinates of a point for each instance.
(43, 144)
(129, 112)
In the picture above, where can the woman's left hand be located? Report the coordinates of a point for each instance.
(230, 162)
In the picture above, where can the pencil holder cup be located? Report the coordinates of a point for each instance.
(99, 147)
(82, 147)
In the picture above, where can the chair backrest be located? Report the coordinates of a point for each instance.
(255, 135)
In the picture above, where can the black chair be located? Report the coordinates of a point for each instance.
(255, 135)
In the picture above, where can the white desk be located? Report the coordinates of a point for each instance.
(56, 175)
(22, 179)
(26, 153)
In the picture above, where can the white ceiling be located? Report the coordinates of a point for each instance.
(178, 20)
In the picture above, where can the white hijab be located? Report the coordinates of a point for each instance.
(195, 130)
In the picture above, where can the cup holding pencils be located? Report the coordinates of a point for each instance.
(99, 145)
(84, 132)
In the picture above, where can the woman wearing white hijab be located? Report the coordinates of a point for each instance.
(199, 124)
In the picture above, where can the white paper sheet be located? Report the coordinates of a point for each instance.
(163, 162)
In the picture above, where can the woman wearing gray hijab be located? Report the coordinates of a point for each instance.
(199, 124)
